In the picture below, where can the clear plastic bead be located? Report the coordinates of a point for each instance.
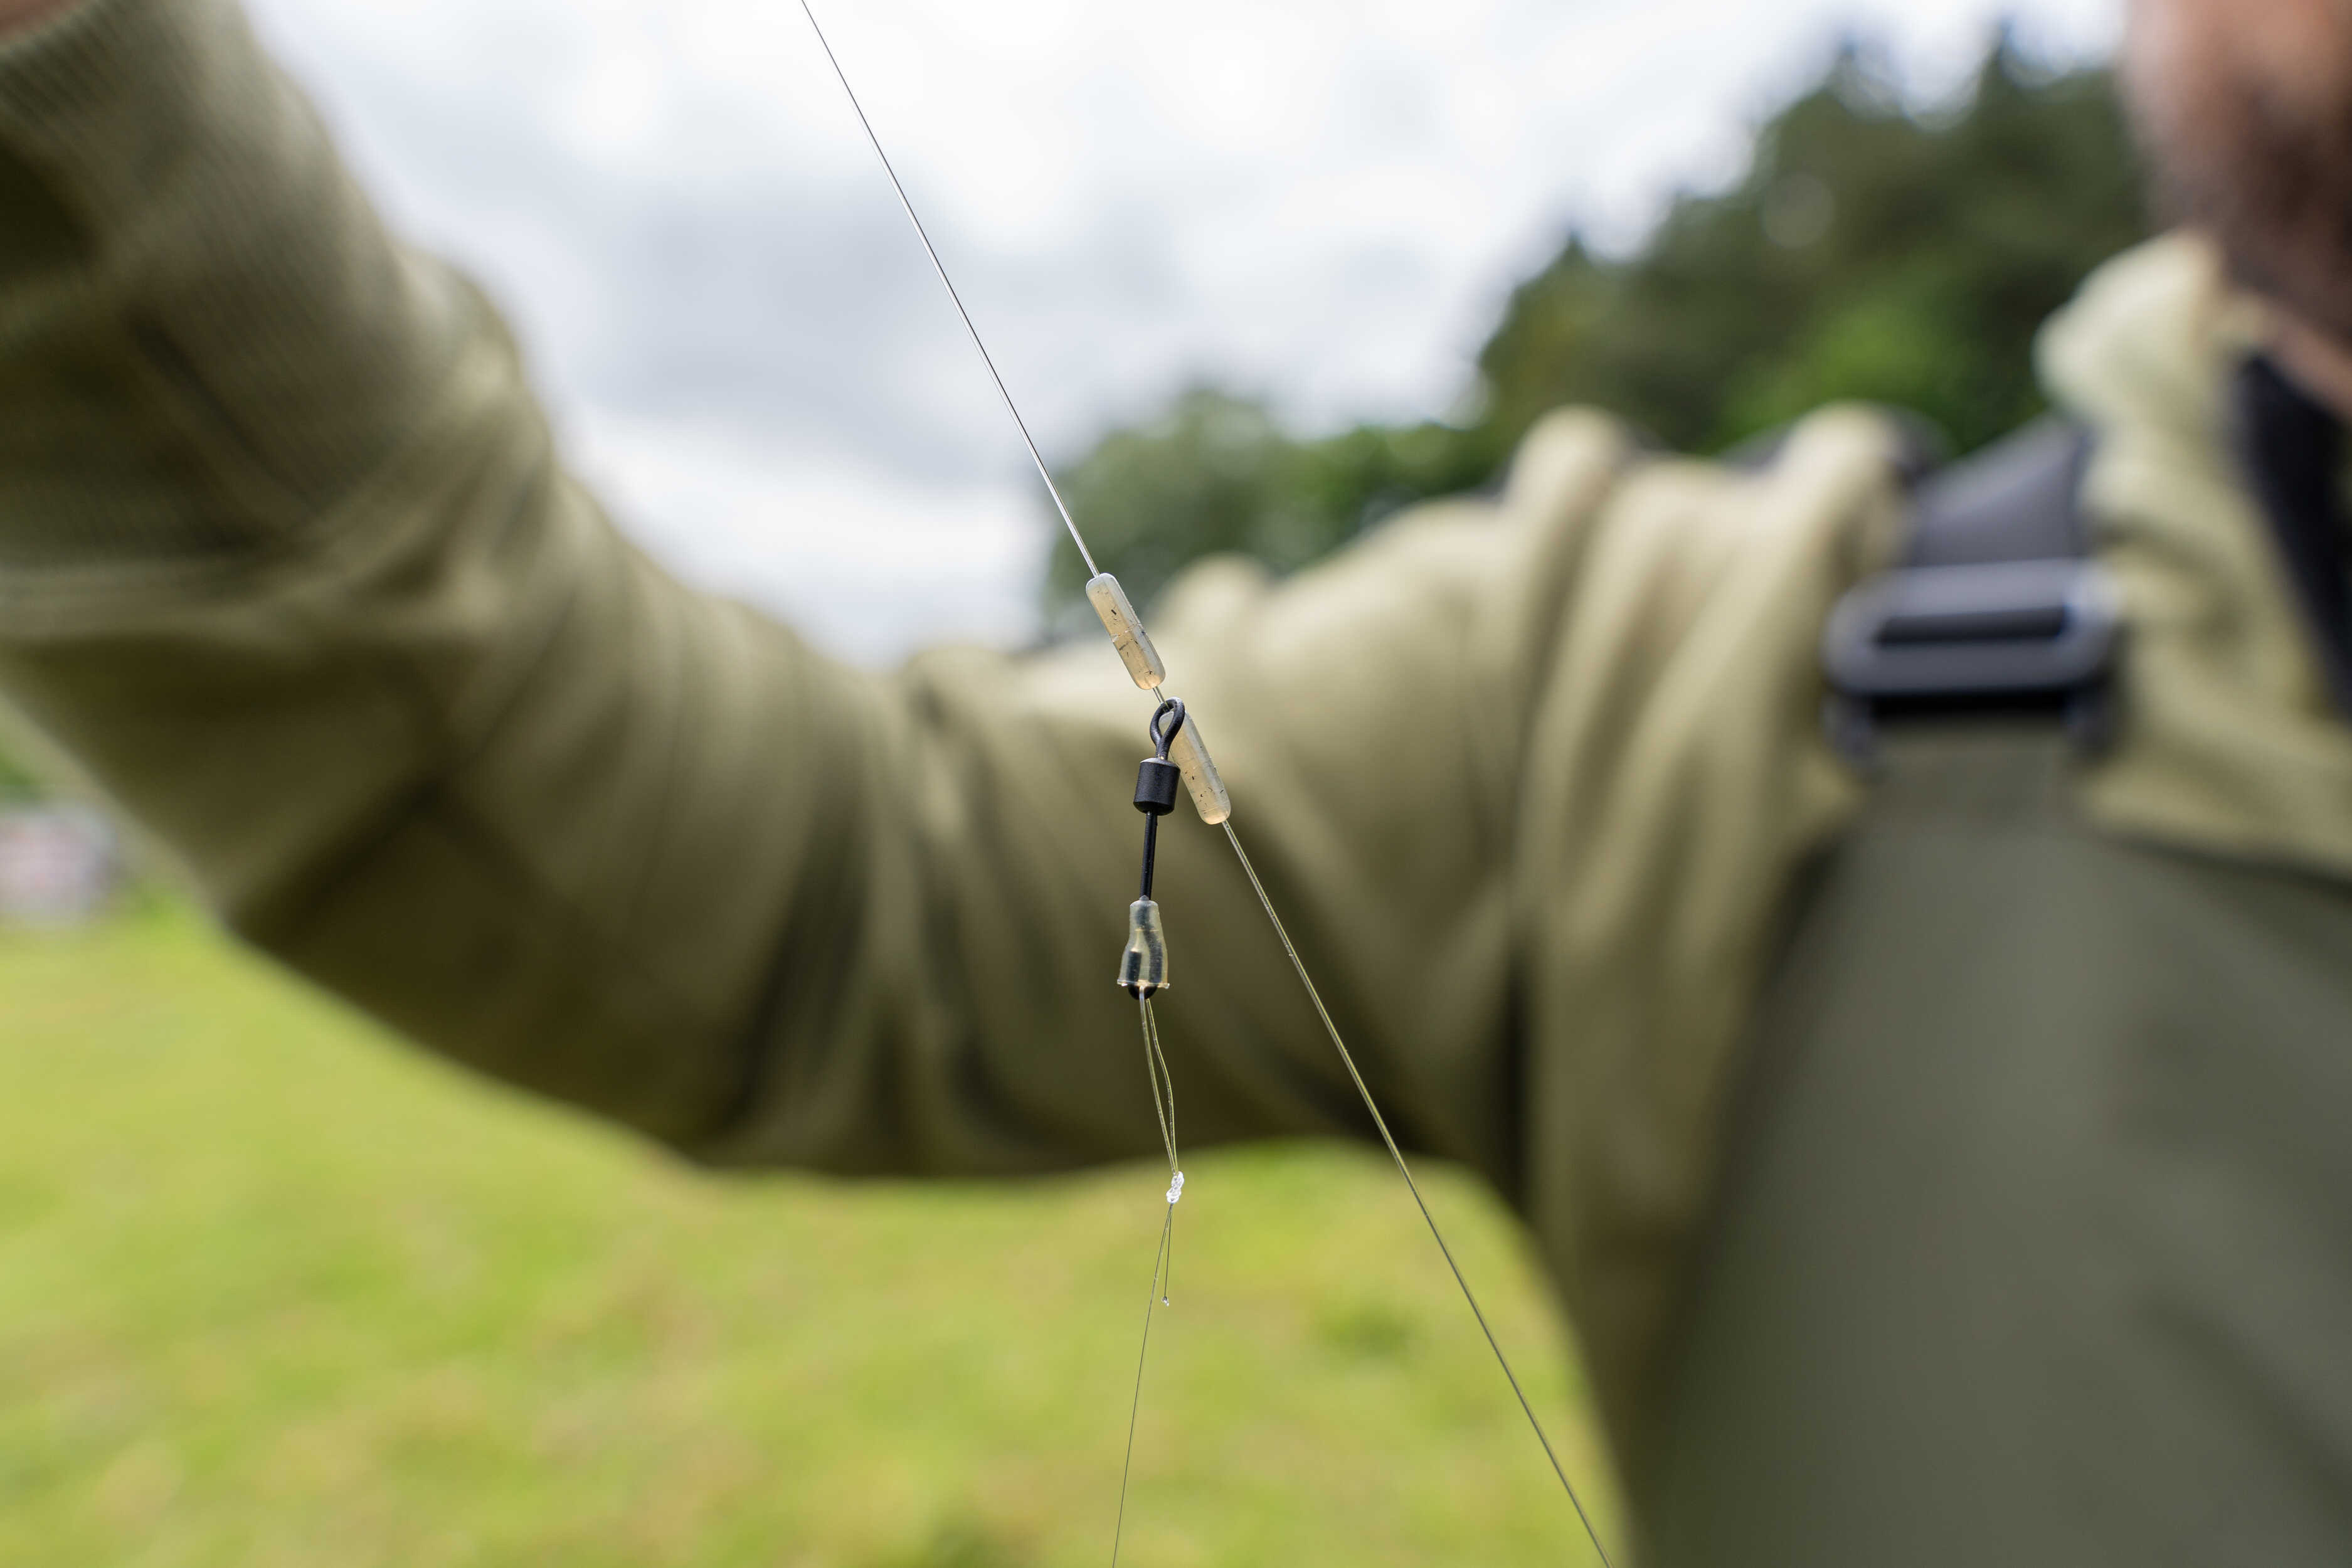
(1126, 629)
(1143, 963)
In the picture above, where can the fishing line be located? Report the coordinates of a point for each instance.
(1155, 1065)
(945, 282)
(1347, 1060)
(1146, 954)
(1155, 1062)
(1163, 1262)
(1154, 1299)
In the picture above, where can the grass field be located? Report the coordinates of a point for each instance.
(275, 1291)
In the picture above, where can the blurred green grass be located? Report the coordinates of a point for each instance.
(275, 1291)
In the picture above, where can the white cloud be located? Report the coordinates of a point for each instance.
(1320, 201)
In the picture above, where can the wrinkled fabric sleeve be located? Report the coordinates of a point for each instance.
(290, 568)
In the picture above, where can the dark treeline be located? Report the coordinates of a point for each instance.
(1874, 250)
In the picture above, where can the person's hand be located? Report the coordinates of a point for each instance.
(19, 13)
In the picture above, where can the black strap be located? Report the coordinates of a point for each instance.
(2293, 450)
(1993, 610)
(1994, 606)
(2016, 501)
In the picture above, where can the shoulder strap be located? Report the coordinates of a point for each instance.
(2016, 501)
(1995, 609)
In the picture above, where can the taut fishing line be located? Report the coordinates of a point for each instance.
(1180, 758)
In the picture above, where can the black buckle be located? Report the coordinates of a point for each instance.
(2011, 636)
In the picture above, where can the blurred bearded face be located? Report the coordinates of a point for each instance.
(2246, 108)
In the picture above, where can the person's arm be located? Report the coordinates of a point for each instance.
(289, 565)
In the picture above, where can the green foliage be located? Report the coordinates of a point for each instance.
(1874, 250)
(1217, 473)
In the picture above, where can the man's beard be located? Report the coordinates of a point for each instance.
(2270, 179)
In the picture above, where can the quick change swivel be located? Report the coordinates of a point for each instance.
(1143, 965)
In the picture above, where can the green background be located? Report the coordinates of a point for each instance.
(274, 1289)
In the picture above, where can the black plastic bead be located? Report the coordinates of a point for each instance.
(1156, 782)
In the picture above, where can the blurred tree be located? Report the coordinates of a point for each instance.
(1874, 250)
(1217, 473)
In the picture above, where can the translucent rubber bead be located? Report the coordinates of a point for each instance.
(1208, 790)
(1176, 1188)
(1143, 963)
(1126, 629)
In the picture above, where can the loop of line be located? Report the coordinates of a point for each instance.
(1163, 1262)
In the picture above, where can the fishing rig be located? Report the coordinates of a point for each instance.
(1180, 754)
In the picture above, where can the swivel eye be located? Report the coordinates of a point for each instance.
(1157, 781)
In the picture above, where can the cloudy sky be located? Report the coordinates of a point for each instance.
(1319, 202)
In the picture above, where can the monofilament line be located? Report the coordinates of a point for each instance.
(1135, 1410)
(1163, 1262)
(1163, 1088)
(1164, 1101)
(945, 282)
(1347, 1060)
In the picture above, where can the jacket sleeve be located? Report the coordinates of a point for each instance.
(290, 568)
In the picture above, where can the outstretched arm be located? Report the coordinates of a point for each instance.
(289, 565)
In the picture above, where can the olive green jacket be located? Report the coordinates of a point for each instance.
(290, 568)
